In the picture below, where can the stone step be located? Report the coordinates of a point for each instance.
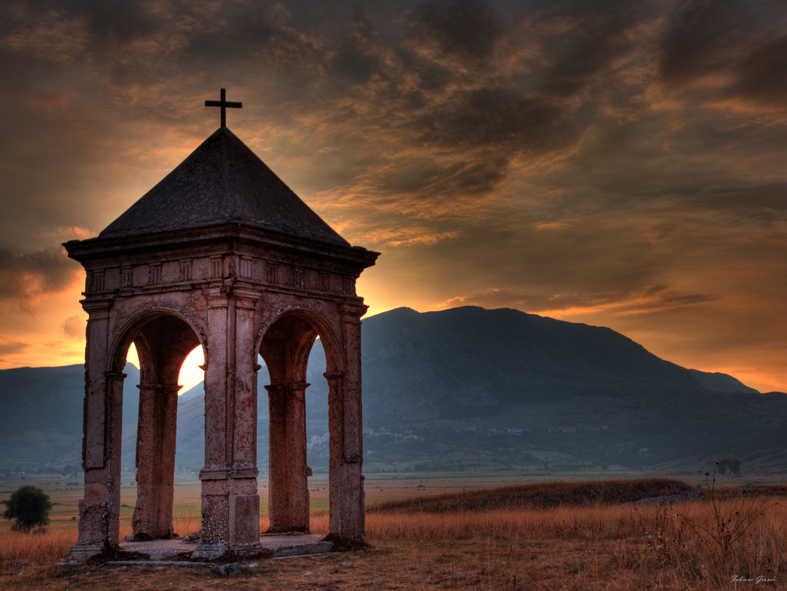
(300, 549)
(280, 546)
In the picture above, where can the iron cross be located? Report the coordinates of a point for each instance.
(223, 104)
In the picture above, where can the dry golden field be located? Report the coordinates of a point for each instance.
(702, 544)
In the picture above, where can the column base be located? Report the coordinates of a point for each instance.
(287, 530)
(210, 551)
(213, 551)
(82, 552)
(345, 543)
(246, 549)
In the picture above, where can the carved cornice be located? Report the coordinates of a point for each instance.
(237, 235)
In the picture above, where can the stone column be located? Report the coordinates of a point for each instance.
(143, 522)
(100, 508)
(156, 435)
(215, 506)
(288, 490)
(230, 503)
(114, 382)
(166, 481)
(244, 501)
(337, 483)
(347, 517)
(295, 405)
(278, 483)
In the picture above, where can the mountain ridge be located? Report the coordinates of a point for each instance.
(444, 388)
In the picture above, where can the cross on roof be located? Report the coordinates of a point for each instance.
(223, 103)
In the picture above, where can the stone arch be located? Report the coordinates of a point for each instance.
(323, 328)
(163, 339)
(125, 335)
(285, 344)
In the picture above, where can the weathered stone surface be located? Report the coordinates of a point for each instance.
(93, 523)
(222, 255)
(159, 549)
(229, 570)
(275, 546)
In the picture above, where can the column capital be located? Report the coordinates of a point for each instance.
(243, 472)
(245, 297)
(214, 474)
(237, 472)
(333, 375)
(353, 310)
(148, 386)
(97, 308)
(217, 297)
(298, 385)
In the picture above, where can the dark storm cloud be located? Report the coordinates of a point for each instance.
(762, 75)
(499, 118)
(464, 28)
(471, 177)
(359, 54)
(482, 115)
(700, 40)
(603, 256)
(26, 277)
(598, 35)
(455, 90)
(726, 50)
(139, 41)
(459, 93)
(761, 199)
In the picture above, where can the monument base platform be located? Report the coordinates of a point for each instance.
(275, 546)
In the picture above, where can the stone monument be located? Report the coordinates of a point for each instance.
(220, 254)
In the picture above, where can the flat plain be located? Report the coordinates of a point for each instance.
(727, 540)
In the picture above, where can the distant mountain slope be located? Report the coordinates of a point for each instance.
(465, 388)
(720, 382)
(41, 418)
(44, 398)
(50, 398)
(469, 361)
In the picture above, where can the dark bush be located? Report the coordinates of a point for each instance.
(29, 506)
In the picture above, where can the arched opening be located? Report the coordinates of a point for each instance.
(162, 342)
(286, 348)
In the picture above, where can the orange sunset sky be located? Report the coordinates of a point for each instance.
(614, 163)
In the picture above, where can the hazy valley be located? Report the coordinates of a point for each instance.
(464, 390)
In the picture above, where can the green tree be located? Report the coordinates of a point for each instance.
(29, 506)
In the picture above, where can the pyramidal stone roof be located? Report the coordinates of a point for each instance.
(222, 181)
